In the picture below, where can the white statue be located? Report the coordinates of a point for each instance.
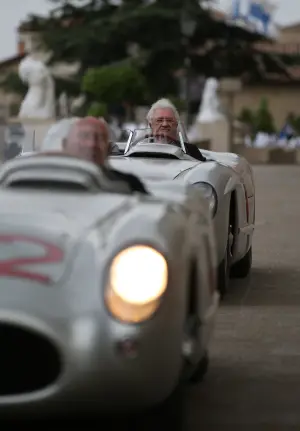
(39, 102)
(210, 110)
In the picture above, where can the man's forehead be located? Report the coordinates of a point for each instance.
(164, 112)
(88, 125)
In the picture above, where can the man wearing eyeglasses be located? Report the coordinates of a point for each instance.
(163, 118)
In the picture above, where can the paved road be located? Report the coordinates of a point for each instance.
(254, 379)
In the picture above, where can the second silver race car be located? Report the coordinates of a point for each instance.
(225, 179)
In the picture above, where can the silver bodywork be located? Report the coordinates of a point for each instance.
(90, 227)
(230, 175)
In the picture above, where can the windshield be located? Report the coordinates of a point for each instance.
(53, 140)
(44, 138)
(54, 137)
(157, 136)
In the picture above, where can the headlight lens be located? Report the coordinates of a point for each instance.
(210, 194)
(138, 278)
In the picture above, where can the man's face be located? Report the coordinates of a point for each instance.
(164, 123)
(88, 141)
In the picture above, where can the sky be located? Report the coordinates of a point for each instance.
(14, 11)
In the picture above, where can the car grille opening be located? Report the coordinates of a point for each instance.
(28, 361)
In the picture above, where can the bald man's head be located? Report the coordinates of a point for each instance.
(88, 138)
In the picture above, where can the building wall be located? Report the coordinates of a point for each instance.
(288, 41)
(281, 99)
(290, 35)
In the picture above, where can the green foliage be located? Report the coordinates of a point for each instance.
(177, 102)
(69, 86)
(14, 109)
(247, 117)
(115, 83)
(264, 121)
(13, 84)
(294, 121)
(260, 120)
(97, 109)
(99, 32)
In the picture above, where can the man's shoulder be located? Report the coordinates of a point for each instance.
(135, 183)
(124, 175)
(194, 151)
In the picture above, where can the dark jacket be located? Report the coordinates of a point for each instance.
(193, 151)
(134, 182)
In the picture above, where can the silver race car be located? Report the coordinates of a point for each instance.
(107, 297)
(226, 180)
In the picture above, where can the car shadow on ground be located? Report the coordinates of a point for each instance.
(253, 382)
(242, 397)
(265, 287)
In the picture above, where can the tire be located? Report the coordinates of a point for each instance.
(201, 370)
(224, 267)
(171, 414)
(242, 268)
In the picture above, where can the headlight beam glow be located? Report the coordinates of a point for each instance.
(138, 278)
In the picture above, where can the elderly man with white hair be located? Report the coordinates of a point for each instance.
(58, 132)
(164, 119)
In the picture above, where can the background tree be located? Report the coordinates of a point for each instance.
(294, 121)
(11, 83)
(264, 121)
(97, 109)
(247, 117)
(120, 83)
(99, 33)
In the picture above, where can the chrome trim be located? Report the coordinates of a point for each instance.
(182, 144)
(128, 142)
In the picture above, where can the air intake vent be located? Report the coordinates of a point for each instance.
(28, 361)
(41, 184)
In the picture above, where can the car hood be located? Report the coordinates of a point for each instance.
(151, 168)
(35, 224)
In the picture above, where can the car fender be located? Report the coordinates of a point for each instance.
(225, 182)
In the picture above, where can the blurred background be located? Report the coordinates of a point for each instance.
(115, 58)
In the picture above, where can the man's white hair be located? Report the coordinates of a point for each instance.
(162, 104)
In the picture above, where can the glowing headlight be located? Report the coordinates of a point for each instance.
(138, 278)
(210, 194)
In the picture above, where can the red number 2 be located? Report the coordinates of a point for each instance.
(12, 267)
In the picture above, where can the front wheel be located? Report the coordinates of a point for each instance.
(170, 414)
(224, 267)
(201, 370)
(242, 268)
